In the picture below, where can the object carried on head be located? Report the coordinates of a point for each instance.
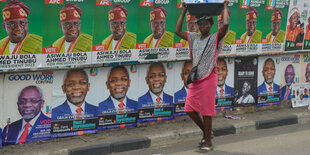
(205, 7)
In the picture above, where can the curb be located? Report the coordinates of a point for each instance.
(271, 123)
(107, 148)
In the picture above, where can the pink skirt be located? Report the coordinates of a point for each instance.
(201, 95)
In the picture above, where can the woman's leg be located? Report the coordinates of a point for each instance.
(207, 121)
(197, 119)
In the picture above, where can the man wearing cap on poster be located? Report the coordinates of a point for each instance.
(191, 26)
(160, 37)
(70, 24)
(155, 78)
(300, 36)
(222, 72)
(15, 23)
(179, 96)
(289, 76)
(293, 29)
(268, 86)
(276, 35)
(252, 35)
(75, 86)
(30, 102)
(307, 75)
(118, 83)
(231, 35)
(119, 39)
(307, 36)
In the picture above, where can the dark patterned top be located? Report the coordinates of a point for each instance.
(197, 46)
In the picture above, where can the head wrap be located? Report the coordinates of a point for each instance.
(276, 15)
(294, 10)
(117, 12)
(158, 13)
(70, 12)
(190, 18)
(251, 14)
(202, 18)
(15, 10)
(220, 17)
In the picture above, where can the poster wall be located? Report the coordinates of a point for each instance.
(268, 81)
(118, 103)
(27, 116)
(245, 81)
(290, 74)
(21, 47)
(225, 85)
(300, 94)
(74, 109)
(155, 102)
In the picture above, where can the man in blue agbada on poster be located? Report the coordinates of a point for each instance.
(30, 102)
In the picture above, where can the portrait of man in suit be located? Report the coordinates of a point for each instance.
(246, 96)
(180, 96)
(289, 76)
(268, 72)
(30, 102)
(222, 71)
(75, 86)
(155, 78)
(118, 82)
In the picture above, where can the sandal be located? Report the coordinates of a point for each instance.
(204, 149)
(202, 141)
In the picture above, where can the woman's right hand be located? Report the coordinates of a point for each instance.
(184, 7)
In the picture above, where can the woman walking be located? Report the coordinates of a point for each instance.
(200, 98)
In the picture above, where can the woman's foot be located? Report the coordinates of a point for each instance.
(205, 148)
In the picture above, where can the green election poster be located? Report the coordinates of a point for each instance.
(275, 26)
(249, 32)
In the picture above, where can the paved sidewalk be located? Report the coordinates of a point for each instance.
(159, 133)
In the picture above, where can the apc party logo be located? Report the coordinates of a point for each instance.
(278, 60)
(146, 2)
(94, 71)
(230, 60)
(169, 65)
(133, 68)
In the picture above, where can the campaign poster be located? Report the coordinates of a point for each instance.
(305, 68)
(118, 87)
(74, 103)
(155, 102)
(304, 22)
(68, 29)
(28, 98)
(115, 27)
(268, 80)
(290, 74)
(249, 33)
(294, 37)
(155, 29)
(225, 84)
(300, 95)
(189, 24)
(245, 81)
(307, 31)
(181, 72)
(229, 46)
(274, 26)
(21, 34)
